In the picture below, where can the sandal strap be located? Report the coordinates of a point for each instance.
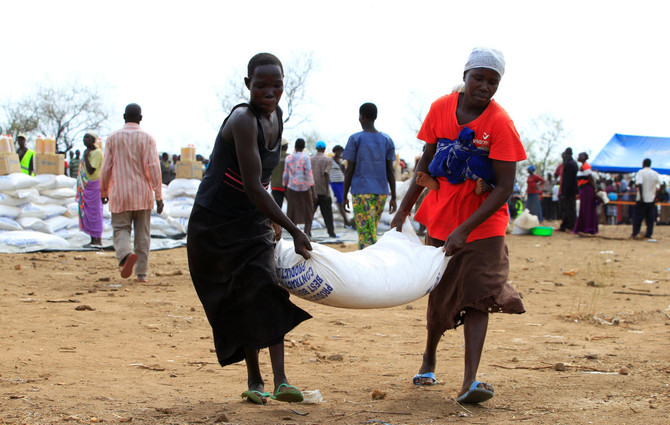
(285, 385)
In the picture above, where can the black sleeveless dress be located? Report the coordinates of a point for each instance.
(230, 246)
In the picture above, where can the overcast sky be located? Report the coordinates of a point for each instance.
(599, 66)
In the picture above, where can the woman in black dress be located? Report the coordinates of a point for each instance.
(232, 231)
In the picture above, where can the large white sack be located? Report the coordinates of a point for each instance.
(526, 220)
(72, 209)
(157, 233)
(396, 270)
(42, 200)
(32, 210)
(180, 200)
(180, 211)
(179, 224)
(53, 210)
(65, 181)
(29, 194)
(38, 240)
(45, 181)
(16, 181)
(61, 192)
(8, 223)
(172, 231)
(386, 217)
(158, 222)
(61, 222)
(179, 221)
(33, 223)
(181, 187)
(401, 189)
(75, 236)
(5, 199)
(9, 211)
(73, 222)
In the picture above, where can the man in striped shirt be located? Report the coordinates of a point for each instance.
(129, 180)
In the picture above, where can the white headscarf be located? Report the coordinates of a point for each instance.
(92, 134)
(482, 57)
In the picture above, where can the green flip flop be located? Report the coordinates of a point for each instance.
(254, 396)
(290, 395)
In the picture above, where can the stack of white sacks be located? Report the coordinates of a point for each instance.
(178, 199)
(40, 212)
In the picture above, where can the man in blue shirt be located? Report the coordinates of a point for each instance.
(369, 174)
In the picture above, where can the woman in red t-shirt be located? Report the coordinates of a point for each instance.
(533, 192)
(469, 225)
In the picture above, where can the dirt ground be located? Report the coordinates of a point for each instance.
(81, 345)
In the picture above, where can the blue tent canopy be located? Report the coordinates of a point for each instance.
(625, 153)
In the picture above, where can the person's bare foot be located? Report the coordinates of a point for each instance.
(426, 180)
(482, 187)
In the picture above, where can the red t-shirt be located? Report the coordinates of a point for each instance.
(533, 184)
(585, 174)
(445, 209)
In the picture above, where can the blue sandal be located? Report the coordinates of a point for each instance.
(428, 375)
(475, 394)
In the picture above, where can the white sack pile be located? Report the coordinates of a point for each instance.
(40, 213)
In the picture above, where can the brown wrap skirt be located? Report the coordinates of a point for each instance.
(475, 278)
(300, 208)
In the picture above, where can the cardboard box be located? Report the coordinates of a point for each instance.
(189, 170)
(46, 145)
(49, 163)
(9, 163)
(6, 144)
(188, 154)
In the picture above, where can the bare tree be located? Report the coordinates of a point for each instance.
(417, 113)
(543, 143)
(234, 93)
(68, 111)
(20, 117)
(296, 73)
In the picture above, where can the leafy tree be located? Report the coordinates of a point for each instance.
(296, 73)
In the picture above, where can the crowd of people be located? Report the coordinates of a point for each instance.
(603, 198)
(306, 182)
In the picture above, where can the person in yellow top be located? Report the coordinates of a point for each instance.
(26, 156)
(88, 191)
